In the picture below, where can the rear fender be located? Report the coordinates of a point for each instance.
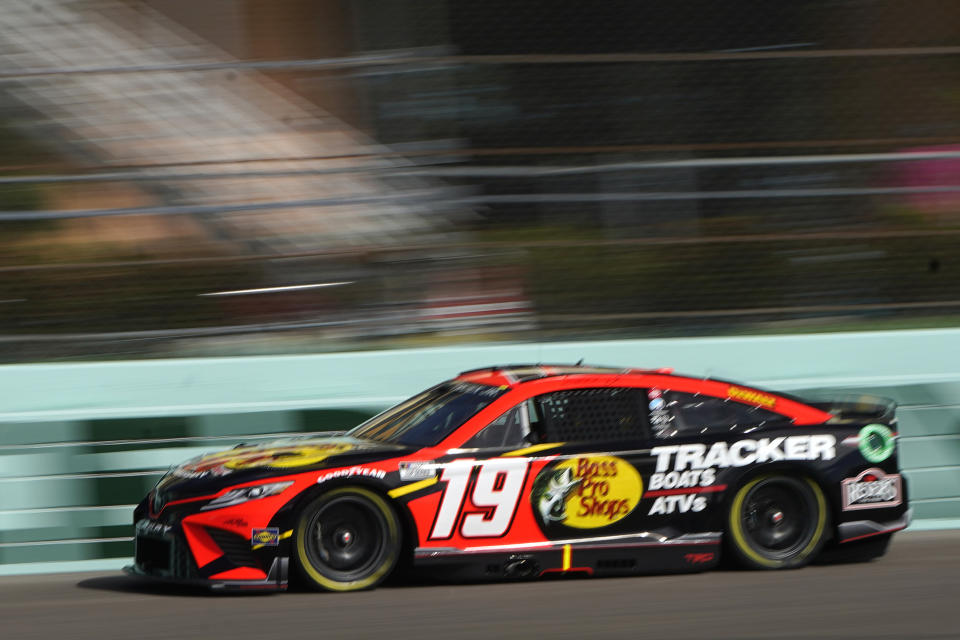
(795, 469)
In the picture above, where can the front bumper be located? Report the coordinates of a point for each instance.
(162, 552)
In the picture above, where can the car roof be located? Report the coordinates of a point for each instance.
(514, 374)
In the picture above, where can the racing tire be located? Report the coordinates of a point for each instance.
(347, 539)
(777, 522)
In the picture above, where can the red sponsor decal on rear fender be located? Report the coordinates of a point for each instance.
(698, 558)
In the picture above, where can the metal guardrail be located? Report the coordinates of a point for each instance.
(518, 171)
(403, 58)
(436, 198)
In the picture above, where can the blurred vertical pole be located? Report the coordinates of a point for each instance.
(306, 29)
(222, 23)
(412, 104)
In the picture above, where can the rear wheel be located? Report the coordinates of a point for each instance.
(347, 539)
(777, 522)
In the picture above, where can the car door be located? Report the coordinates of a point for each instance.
(583, 455)
(595, 486)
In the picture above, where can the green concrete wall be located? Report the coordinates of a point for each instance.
(81, 443)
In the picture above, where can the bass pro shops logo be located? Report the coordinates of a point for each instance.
(269, 457)
(586, 492)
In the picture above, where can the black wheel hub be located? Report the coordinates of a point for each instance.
(777, 518)
(346, 538)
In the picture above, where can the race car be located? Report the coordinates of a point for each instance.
(529, 470)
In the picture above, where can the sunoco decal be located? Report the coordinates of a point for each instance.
(876, 442)
(269, 537)
(586, 492)
(872, 489)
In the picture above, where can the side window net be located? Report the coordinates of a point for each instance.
(588, 415)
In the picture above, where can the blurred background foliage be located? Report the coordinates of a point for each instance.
(437, 171)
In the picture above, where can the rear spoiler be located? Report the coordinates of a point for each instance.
(858, 408)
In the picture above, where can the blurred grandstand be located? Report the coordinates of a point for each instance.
(249, 177)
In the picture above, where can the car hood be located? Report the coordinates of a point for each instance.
(286, 456)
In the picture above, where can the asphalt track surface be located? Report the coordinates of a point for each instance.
(911, 593)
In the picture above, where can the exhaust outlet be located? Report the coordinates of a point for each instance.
(521, 567)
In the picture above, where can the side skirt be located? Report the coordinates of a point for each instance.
(860, 529)
(646, 553)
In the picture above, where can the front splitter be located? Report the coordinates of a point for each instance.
(276, 580)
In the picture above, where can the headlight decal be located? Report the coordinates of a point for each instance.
(245, 494)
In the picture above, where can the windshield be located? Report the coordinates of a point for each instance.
(426, 419)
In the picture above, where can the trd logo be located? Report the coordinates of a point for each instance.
(698, 558)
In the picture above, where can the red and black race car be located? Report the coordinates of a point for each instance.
(527, 470)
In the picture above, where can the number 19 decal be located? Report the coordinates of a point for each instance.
(496, 492)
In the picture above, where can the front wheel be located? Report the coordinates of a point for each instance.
(347, 539)
(777, 522)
